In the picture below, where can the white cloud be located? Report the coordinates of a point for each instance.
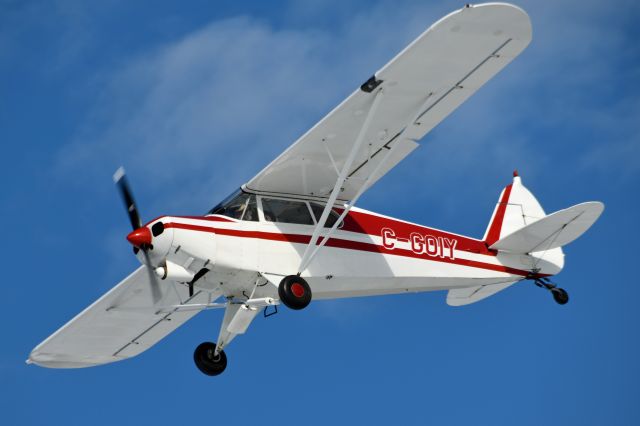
(209, 110)
(199, 116)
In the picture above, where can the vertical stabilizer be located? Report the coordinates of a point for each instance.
(516, 208)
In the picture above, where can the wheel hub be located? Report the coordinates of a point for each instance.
(208, 361)
(297, 289)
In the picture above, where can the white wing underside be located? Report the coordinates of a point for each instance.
(422, 85)
(119, 325)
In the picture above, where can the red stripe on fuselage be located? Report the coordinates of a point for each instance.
(370, 224)
(274, 236)
(345, 244)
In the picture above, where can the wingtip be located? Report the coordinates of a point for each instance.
(118, 174)
(598, 205)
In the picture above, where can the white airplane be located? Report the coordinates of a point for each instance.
(292, 234)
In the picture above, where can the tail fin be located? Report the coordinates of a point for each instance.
(516, 209)
(519, 225)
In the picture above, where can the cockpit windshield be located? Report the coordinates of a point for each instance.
(239, 205)
(244, 206)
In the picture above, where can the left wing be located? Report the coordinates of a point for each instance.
(421, 86)
(119, 325)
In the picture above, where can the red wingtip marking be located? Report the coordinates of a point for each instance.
(515, 173)
(140, 237)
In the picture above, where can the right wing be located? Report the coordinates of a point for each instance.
(422, 85)
(119, 325)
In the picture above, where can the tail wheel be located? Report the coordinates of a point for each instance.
(207, 361)
(560, 295)
(294, 292)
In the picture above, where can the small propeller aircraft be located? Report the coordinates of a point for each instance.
(292, 234)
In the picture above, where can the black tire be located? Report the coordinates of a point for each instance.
(560, 296)
(206, 362)
(294, 292)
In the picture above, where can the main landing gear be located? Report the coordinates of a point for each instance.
(559, 295)
(294, 292)
(208, 361)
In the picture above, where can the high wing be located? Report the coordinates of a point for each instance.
(422, 85)
(121, 324)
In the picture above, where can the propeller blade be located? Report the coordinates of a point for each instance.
(156, 294)
(120, 179)
(140, 237)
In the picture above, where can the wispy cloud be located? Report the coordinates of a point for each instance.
(235, 92)
(208, 110)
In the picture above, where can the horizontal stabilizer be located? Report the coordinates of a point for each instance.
(468, 295)
(555, 230)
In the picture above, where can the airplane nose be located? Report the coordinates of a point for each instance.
(140, 237)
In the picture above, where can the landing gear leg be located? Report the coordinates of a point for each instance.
(208, 361)
(559, 295)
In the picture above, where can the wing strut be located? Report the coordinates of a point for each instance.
(308, 254)
(364, 187)
(306, 258)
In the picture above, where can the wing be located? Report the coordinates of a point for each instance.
(422, 85)
(119, 325)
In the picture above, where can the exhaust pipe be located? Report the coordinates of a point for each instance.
(174, 272)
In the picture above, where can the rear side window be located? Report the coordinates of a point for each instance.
(331, 219)
(285, 211)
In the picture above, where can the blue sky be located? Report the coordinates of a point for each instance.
(194, 98)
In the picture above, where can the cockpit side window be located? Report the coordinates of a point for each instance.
(239, 205)
(317, 212)
(251, 211)
(221, 207)
(286, 211)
